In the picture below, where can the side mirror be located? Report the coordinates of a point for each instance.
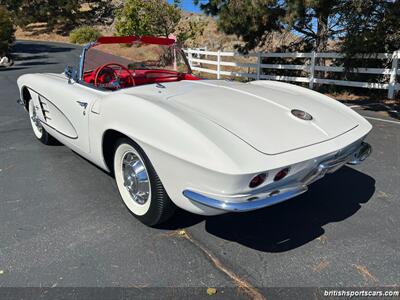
(70, 72)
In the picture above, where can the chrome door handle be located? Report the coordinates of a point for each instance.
(83, 104)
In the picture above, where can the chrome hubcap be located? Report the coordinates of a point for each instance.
(36, 120)
(136, 179)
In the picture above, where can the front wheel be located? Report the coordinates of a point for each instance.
(40, 133)
(139, 185)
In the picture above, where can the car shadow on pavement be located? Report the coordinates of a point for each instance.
(13, 68)
(28, 54)
(18, 57)
(35, 48)
(36, 63)
(391, 109)
(293, 223)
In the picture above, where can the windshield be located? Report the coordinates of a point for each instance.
(137, 57)
(114, 66)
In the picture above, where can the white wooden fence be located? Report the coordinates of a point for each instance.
(198, 58)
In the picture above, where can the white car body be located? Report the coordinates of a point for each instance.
(208, 138)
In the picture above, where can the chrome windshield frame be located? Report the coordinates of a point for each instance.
(82, 59)
(88, 46)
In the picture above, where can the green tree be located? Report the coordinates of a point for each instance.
(11, 5)
(99, 12)
(147, 17)
(372, 26)
(84, 34)
(317, 20)
(6, 31)
(188, 31)
(253, 20)
(359, 25)
(63, 13)
(60, 14)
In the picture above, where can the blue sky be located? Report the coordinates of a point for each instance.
(188, 6)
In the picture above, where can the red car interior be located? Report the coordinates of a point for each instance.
(114, 75)
(105, 75)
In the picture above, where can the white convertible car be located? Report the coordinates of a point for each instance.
(133, 108)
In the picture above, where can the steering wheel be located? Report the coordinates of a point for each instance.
(115, 81)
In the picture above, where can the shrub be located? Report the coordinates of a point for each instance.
(6, 31)
(147, 17)
(84, 34)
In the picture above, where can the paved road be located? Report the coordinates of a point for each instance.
(63, 224)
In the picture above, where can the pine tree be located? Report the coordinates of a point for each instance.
(359, 25)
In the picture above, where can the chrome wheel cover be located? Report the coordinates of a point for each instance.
(135, 177)
(36, 125)
(36, 121)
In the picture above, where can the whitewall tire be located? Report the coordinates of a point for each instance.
(139, 185)
(35, 123)
(40, 133)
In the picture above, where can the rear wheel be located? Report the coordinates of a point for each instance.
(139, 185)
(40, 133)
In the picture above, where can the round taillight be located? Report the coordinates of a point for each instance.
(281, 174)
(258, 180)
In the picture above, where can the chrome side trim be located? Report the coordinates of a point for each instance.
(273, 197)
(63, 134)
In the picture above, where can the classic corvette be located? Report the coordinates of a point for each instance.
(134, 108)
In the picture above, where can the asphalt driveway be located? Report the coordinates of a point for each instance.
(63, 223)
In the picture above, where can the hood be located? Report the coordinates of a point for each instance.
(260, 114)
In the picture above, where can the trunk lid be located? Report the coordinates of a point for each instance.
(261, 115)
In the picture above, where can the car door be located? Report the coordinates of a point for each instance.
(65, 111)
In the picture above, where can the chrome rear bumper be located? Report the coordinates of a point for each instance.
(240, 203)
(263, 199)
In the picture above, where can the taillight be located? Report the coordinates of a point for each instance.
(258, 180)
(281, 174)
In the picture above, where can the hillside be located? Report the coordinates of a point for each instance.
(214, 39)
(208, 34)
